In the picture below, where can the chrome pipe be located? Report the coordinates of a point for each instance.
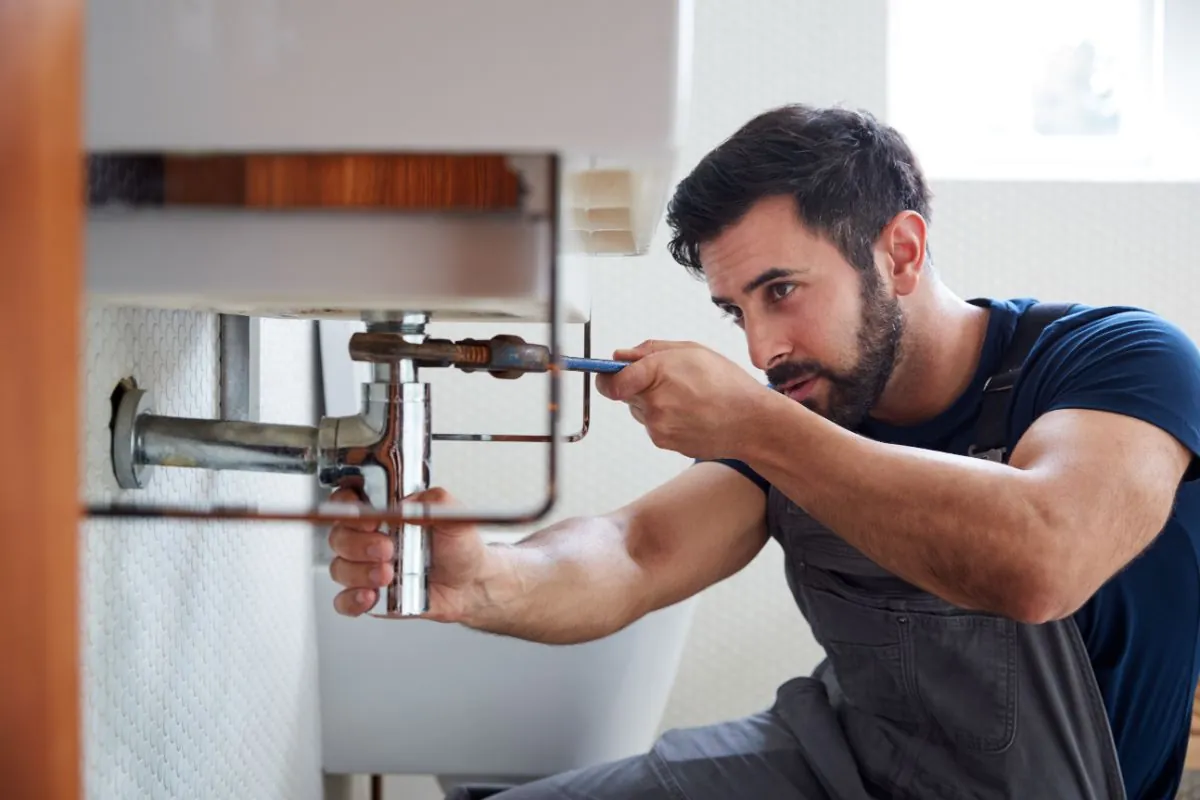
(412, 402)
(225, 445)
(386, 448)
(415, 441)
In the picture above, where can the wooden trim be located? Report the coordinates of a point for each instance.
(1193, 752)
(41, 223)
(408, 182)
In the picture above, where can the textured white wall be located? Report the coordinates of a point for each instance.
(1125, 243)
(747, 636)
(198, 638)
(1098, 243)
(198, 643)
(1119, 243)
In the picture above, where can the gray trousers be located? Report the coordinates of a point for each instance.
(757, 758)
(752, 758)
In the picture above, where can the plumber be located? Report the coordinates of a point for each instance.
(986, 506)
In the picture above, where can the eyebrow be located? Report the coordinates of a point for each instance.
(763, 278)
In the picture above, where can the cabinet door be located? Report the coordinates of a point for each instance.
(41, 218)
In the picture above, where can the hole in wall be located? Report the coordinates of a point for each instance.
(123, 386)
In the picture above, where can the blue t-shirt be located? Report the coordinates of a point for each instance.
(1142, 628)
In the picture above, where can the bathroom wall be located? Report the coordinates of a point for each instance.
(1099, 243)
(746, 636)
(198, 641)
(1125, 243)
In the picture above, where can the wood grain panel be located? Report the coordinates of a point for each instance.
(41, 218)
(412, 182)
(1193, 753)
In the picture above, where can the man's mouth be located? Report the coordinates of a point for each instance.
(799, 389)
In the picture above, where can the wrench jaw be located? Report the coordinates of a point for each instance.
(510, 356)
(504, 356)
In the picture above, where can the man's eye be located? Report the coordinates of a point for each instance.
(778, 291)
(732, 312)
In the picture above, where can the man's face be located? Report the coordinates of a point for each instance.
(826, 334)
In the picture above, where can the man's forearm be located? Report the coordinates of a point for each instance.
(961, 528)
(571, 582)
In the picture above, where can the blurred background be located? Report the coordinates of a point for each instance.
(1059, 138)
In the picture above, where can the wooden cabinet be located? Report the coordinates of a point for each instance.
(41, 310)
(1193, 754)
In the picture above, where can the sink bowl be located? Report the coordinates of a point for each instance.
(420, 697)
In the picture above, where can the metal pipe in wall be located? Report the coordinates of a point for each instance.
(226, 445)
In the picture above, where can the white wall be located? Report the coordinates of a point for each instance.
(196, 634)
(1118, 243)
(198, 642)
(747, 636)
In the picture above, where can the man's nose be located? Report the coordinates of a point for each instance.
(766, 344)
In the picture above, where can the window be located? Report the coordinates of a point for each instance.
(1034, 88)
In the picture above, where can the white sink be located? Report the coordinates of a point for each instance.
(602, 87)
(418, 697)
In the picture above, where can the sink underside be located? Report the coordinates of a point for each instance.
(300, 142)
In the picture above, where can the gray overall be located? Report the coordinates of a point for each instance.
(915, 699)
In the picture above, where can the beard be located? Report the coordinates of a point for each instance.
(854, 392)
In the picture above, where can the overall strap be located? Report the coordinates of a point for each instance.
(991, 429)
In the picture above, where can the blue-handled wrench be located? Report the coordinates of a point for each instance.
(592, 365)
(503, 356)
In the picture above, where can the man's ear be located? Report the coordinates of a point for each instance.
(901, 249)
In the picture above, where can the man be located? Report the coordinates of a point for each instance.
(988, 516)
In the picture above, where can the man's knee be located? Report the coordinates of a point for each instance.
(631, 778)
(477, 791)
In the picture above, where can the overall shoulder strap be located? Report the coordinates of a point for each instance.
(991, 429)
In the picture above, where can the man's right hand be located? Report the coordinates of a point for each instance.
(363, 563)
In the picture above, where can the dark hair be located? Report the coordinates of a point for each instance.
(849, 175)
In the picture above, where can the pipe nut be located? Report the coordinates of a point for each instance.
(129, 472)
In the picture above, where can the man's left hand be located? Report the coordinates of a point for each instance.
(690, 399)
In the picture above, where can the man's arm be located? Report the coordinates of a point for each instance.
(1085, 491)
(1116, 407)
(586, 578)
